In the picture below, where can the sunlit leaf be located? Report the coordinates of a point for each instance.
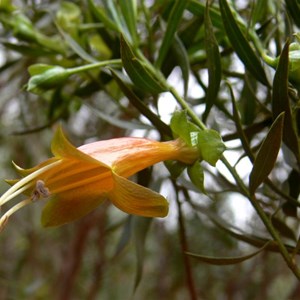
(267, 154)
(183, 128)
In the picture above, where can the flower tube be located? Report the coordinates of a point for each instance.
(77, 180)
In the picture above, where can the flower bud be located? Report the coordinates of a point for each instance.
(294, 62)
(46, 77)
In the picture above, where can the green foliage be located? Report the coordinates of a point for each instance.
(107, 69)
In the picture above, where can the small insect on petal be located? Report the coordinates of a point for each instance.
(40, 191)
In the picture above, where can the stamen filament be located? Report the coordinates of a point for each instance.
(16, 193)
(15, 189)
(5, 217)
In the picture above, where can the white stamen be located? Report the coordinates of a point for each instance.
(18, 187)
(5, 217)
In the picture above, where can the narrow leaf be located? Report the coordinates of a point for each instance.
(141, 107)
(138, 71)
(125, 236)
(140, 230)
(173, 21)
(76, 47)
(213, 63)
(131, 125)
(293, 8)
(281, 103)
(223, 261)
(128, 8)
(241, 45)
(267, 154)
(101, 15)
(181, 55)
(196, 175)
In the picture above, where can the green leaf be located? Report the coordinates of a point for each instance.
(125, 236)
(283, 228)
(267, 154)
(293, 8)
(181, 55)
(101, 15)
(210, 146)
(76, 47)
(223, 261)
(281, 102)
(37, 69)
(131, 125)
(141, 107)
(196, 175)
(140, 230)
(183, 128)
(139, 71)
(241, 45)
(129, 13)
(197, 8)
(213, 63)
(46, 77)
(173, 22)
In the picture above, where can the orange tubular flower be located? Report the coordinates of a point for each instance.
(77, 180)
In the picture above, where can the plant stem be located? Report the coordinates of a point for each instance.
(264, 218)
(95, 65)
(185, 106)
(244, 190)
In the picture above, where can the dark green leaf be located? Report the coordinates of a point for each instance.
(223, 261)
(210, 146)
(241, 45)
(281, 102)
(139, 72)
(267, 154)
(196, 175)
(128, 9)
(131, 125)
(173, 22)
(213, 63)
(293, 8)
(140, 227)
(283, 228)
(141, 107)
(198, 8)
(101, 15)
(181, 55)
(125, 236)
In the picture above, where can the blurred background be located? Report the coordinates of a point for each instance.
(108, 254)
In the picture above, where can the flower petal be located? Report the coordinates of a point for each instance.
(62, 148)
(136, 199)
(71, 205)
